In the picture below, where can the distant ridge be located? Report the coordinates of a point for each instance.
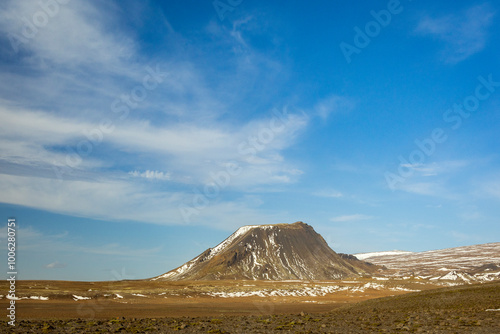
(271, 252)
(465, 263)
(363, 256)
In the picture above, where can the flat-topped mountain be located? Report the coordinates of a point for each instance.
(271, 252)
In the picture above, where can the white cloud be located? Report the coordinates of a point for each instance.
(464, 34)
(38, 241)
(74, 35)
(471, 216)
(436, 179)
(489, 187)
(187, 149)
(350, 218)
(127, 201)
(77, 65)
(331, 105)
(55, 265)
(329, 193)
(150, 174)
(422, 188)
(236, 32)
(102, 199)
(465, 237)
(423, 170)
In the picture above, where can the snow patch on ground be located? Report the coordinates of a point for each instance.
(39, 298)
(138, 295)
(316, 291)
(77, 298)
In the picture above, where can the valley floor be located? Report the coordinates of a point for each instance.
(269, 307)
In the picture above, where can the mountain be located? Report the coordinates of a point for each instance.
(271, 252)
(467, 263)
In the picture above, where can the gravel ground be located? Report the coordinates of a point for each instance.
(466, 309)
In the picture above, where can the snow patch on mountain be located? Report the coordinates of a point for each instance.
(213, 251)
(270, 252)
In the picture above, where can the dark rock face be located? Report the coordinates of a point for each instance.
(271, 252)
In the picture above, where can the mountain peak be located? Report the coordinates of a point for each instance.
(298, 224)
(270, 252)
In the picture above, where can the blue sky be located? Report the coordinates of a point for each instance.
(135, 135)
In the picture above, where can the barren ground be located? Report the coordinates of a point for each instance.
(191, 307)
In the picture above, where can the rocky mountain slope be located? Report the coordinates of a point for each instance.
(468, 263)
(271, 252)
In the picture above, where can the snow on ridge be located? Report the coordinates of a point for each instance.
(459, 258)
(363, 256)
(213, 251)
(453, 276)
(487, 276)
(239, 232)
(179, 271)
(488, 251)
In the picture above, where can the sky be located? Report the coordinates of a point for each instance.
(134, 135)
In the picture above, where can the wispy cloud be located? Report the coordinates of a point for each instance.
(187, 149)
(489, 187)
(423, 188)
(78, 65)
(350, 218)
(464, 237)
(436, 179)
(333, 104)
(39, 241)
(75, 34)
(441, 168)
(152, 175)
(55, 265)
(328, 193)
(464, 34)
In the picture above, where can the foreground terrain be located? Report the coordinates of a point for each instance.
(146, 298)
(461, 309)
